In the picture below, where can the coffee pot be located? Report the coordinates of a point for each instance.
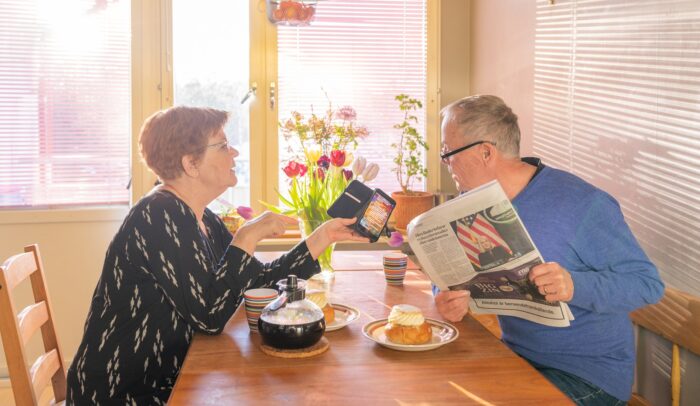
(291, 321)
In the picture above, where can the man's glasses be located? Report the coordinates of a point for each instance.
(221, 146)
(444, 155)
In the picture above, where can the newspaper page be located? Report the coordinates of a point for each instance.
(477, 242)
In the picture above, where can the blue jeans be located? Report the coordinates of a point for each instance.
(582, 392)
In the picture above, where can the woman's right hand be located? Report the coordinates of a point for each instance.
(266, 225)
(332, 231)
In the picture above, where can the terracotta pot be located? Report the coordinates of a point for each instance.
(410, 206)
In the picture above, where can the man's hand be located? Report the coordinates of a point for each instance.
(553, 281)
(453, 304)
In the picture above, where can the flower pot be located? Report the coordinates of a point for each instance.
(408, 206)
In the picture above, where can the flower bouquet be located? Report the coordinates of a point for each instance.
(322, 147)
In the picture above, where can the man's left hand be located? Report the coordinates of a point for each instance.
(553, 281)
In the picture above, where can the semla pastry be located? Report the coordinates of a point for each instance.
(319, 298)
(407, 326)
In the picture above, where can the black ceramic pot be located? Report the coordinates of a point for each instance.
(291, 336)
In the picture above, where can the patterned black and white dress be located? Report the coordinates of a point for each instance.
(163, 279)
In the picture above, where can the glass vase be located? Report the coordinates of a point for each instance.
(325, 260)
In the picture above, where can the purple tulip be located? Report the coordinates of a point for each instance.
(245, 212)
(324, 162)
(396, 239)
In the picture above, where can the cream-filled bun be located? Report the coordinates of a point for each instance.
(407, 325)
(320, 299)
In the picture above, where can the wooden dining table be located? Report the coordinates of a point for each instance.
(476, 368)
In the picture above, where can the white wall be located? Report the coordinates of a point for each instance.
(503, 57)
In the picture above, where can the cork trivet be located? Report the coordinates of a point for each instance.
(318, 348)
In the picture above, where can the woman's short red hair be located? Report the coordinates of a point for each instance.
(170, 134)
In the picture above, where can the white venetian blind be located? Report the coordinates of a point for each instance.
(64, 102)
(362, 53)
(617, 102)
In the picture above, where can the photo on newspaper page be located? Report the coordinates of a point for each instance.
(492, 237)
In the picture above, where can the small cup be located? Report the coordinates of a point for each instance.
(395, 264)
(255, 302)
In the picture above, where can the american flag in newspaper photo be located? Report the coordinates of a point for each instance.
(491, 237)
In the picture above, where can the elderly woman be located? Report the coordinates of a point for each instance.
(173, 269)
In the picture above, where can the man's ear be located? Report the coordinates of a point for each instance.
(189, 165)
(486, 152)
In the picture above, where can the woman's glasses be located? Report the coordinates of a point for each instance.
(220, 146)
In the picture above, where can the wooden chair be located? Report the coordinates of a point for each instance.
(676, 318)
(17, 329)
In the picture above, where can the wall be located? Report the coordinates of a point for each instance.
(502, 57)
(454, 66)
(73, 250)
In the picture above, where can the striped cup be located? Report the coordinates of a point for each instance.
(395, 264)
(255, 302)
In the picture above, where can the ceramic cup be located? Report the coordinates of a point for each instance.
(395, 264)
(255, 302)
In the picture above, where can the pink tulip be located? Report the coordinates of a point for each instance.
(302, 170)
(348, 174)
(396, 239)
(245, 212)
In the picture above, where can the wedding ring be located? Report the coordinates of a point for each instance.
(545, 290)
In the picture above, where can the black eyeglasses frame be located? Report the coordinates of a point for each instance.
(446, 155)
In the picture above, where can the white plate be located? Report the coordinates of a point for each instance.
(344, 315)
(443, 333)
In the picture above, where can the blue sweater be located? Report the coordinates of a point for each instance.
(582, 228)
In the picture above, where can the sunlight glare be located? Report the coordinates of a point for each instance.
(70, 27)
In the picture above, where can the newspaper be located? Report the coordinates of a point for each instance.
(477, 242)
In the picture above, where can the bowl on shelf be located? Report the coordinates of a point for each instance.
(291, 12)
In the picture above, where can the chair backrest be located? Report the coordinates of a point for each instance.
(17, 328)
(676, 318)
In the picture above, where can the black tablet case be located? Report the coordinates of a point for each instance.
(352, 201)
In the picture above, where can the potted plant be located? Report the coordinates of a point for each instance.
(410, 165)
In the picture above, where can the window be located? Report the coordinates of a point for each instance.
(360, 53)
(211, 69)
(65, 103)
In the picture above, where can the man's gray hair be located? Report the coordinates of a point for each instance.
(486, 118)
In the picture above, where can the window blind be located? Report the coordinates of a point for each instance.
(360, 53)
(617, 102)
(64, 102)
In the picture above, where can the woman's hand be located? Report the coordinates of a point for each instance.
(266, 225)
(332, 231)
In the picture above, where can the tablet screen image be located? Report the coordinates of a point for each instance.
(376, 215)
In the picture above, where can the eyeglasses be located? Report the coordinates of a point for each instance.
(444, 155)
(221, 146)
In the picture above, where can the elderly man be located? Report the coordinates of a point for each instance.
(594, 262)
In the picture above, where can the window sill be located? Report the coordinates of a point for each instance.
(77, 215)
